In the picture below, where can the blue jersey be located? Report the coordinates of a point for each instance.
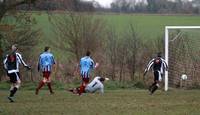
(46, 61)
(86, 64)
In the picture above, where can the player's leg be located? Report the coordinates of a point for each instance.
(151, 86)
(15, 80)
(85, 81)
(41, 83)
(156, 81)
(49, 82)
(10, 97)
(75, 90)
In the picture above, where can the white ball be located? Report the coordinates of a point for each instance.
(183, 76)
(107, 79)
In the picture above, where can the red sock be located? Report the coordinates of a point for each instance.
(49, 86)
(41, 84)
(82, 89)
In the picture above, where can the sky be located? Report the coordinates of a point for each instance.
(104, 3)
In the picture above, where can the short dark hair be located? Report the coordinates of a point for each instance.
(46, 48)
(102, 79)
(88, 53)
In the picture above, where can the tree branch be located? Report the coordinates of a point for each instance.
(11, 6)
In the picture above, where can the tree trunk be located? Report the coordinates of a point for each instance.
(121, 72)
(1, 57)
(113, 72)
(2, 13)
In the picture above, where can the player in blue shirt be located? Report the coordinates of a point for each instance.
(45, 64)
(86, 65)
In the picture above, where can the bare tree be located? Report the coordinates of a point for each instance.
(22, 34)
(112, 50)
(78, 33)
(133, 46)
(121, 58)
(5, 6)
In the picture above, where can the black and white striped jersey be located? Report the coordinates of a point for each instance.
(12, 62)
(157, 64)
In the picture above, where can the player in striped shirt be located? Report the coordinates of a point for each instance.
(158, 65)
(11, 65)
(86, 65)
(45, 64)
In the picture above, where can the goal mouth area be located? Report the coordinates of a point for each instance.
(182, 54)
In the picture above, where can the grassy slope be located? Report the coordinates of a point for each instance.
(148, 27)
(117, 102)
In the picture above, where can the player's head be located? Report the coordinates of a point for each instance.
(101, 79)
(47, 49)
(159, 54)
(14, 47)
(88, 53)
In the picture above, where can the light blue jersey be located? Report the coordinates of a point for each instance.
(46, 61)
(86, 64)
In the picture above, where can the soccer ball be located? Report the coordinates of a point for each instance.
(184, 77)
(107, 79)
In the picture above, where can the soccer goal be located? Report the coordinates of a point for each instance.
(182, 54)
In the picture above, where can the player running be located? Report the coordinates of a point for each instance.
(45, 64)
(86, 65)
(159, 66)
(97, 85)
(11, 65)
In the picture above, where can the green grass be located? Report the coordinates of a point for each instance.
(148, 27)
(113, 102)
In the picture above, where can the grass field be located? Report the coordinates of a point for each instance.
(147, 26)
(113, 102)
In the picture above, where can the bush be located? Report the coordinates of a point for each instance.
(110, 85)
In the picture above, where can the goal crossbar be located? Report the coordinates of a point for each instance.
(167, 28)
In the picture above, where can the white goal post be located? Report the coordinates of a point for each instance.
(167, 28)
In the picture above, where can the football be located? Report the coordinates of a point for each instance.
(184, 77)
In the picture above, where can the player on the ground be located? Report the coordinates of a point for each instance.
(86, 65)
(45, 64)
(11, 65)
(97, 85)
(159, 67)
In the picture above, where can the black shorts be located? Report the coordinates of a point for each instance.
(156, 76)
(14, 77)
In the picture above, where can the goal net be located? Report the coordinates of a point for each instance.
(182, 53)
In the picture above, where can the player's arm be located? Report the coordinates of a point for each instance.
(53, 62)
(39, 62)
(94, 65)
(22, 61)
(4, 63)
(148, 67)
(165, 65)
